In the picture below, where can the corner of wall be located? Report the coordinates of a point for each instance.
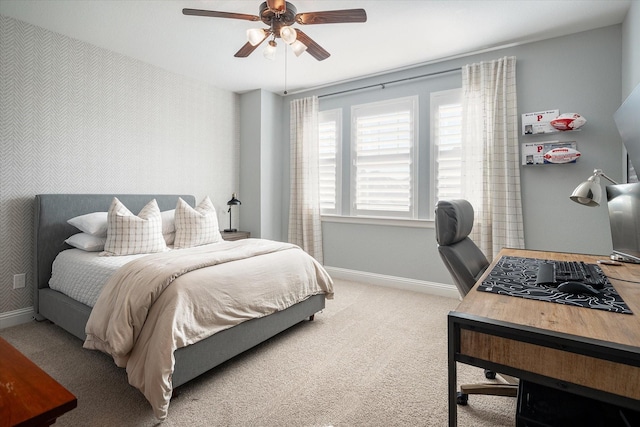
(630, 51)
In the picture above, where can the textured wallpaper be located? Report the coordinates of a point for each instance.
(76, 118)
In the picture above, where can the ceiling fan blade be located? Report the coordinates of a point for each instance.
(214, 14)
(313, 48)
(279, 6)
(248, 48)
(332, 17)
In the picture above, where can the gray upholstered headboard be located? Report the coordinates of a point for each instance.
(51, 229)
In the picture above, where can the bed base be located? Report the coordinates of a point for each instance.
(198, 358)
(69, 314)
(195, 359)
(51, 230)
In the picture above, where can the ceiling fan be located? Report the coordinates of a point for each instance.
(280, 15)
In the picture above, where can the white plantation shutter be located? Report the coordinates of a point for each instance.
(330, 130)
(446, 119)
(383, 165)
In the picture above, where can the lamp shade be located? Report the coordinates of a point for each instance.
(298, 47)
(588, 193)
(288, 34)
(255, 36)
(270, 50)
(234, 201)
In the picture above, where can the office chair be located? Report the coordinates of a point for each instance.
(466, 263)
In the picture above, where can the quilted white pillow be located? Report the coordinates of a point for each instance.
(94, 223)
(128, 234)
(195, 227)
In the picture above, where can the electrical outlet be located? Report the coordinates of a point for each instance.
(19, 280)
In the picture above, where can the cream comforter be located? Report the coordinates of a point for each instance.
(161, 302)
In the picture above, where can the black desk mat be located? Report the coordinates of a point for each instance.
(516, 277)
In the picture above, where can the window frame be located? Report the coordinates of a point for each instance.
(424, 158)
(402, 102)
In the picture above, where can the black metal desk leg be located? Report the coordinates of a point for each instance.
(453, 376)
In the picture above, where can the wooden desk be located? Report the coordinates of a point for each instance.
(589, 352)
(28, 395)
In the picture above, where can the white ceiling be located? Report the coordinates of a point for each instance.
(397, 34)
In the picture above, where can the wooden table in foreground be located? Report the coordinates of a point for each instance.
(589, 352)
(28, 395)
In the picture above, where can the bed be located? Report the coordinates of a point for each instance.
(50, 232)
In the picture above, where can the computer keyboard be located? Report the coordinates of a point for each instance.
(556, 272)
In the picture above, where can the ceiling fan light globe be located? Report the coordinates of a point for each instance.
(270, 51)
(298, 47)
(255, 36)
(288, 34)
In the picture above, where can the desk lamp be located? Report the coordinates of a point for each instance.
(232, 202)
(589, 193)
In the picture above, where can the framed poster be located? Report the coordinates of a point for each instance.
(539, 122)
(550, 152)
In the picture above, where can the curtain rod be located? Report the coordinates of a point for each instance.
(383, 85)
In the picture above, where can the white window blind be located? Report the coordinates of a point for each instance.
(383, 158)
(330, 131)
(446, 119)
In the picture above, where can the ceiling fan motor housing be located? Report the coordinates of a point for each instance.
(275, 19)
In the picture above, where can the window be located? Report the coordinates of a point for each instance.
(384, 154)
(330, 146)
(386, 162)
(446, 135)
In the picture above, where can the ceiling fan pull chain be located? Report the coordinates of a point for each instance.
(285, 69)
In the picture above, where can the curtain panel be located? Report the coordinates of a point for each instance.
(305, 228)
(490, 164)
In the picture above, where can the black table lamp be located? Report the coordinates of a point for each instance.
(230, 203)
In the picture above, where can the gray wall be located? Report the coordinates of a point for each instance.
(270, 196)
(577, 73)
(261, 164)
(631, 50)
(80, 119)
(250, 157)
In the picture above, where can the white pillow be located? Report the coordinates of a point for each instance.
(195, 227)
(92, 223)
(87, 242)
(168, 221)
(169, 226)
(169, 238)
(128, 234)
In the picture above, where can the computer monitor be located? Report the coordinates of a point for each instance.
(623, 201)
(628, 125)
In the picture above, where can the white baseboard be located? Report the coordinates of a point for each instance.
(16, 317)
(433, 288)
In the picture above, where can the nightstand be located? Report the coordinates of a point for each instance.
(235, 235)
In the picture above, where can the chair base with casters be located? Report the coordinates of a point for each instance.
(509, 388)
(466, 263)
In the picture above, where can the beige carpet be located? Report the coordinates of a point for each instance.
(374, 357)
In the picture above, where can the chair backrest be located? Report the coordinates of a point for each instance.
(464, 260)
